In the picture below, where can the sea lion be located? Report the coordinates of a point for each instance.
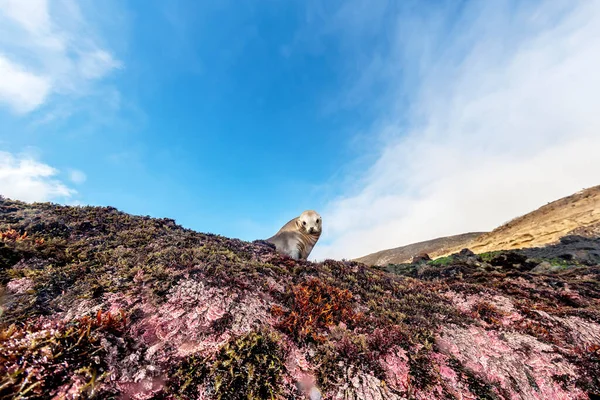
(297, 238)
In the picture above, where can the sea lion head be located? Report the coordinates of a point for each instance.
(310, 222)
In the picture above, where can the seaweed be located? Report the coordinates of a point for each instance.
(41, 359)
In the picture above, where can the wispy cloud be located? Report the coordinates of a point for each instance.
(47, 48)
(76, 176)
(502, 117)
(25, 178)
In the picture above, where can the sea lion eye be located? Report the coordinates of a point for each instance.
(318, 220)
(304, 223)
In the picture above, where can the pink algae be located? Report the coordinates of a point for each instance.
(397, 369)
(520, 364)
(20, 286)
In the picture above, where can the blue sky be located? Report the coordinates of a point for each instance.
(220, 115)
(233, 117)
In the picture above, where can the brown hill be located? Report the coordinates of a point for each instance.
(575, 214)
(578, 214)
(404, 254)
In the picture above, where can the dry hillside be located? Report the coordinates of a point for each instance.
(578, 214)
(404, 254)
(575, 214)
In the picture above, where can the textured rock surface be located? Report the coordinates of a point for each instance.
(101, 304)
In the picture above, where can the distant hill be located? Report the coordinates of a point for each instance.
(404, 254)
(576, 214)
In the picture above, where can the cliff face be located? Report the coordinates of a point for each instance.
(100, 304)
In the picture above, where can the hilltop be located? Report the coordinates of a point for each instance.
(575, 214)
(546, 225)
(405, 254)
(97, 303)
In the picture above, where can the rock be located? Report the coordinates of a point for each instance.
(511, 260)
(571, 239)
(421, 257)
(466, 253)
(575, 249)
(168, 312)
(545, 268)
(315, 394)
(466, 257)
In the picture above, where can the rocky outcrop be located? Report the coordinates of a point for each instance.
(101, 304)
(421, 257)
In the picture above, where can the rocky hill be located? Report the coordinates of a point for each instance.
(575, 214)
(100, 304)
(433, 248)
(546, 225)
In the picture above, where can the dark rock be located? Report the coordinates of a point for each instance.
(575, 249)
(466, 253)
(466, 257)
(545, 267)
(421, 257)
(512, 260)
(8, 256)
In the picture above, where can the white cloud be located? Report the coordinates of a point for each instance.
(505, 119)
(31, 14)
(24, 178)
(23, 91)
(77, 176)
(47, 48)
